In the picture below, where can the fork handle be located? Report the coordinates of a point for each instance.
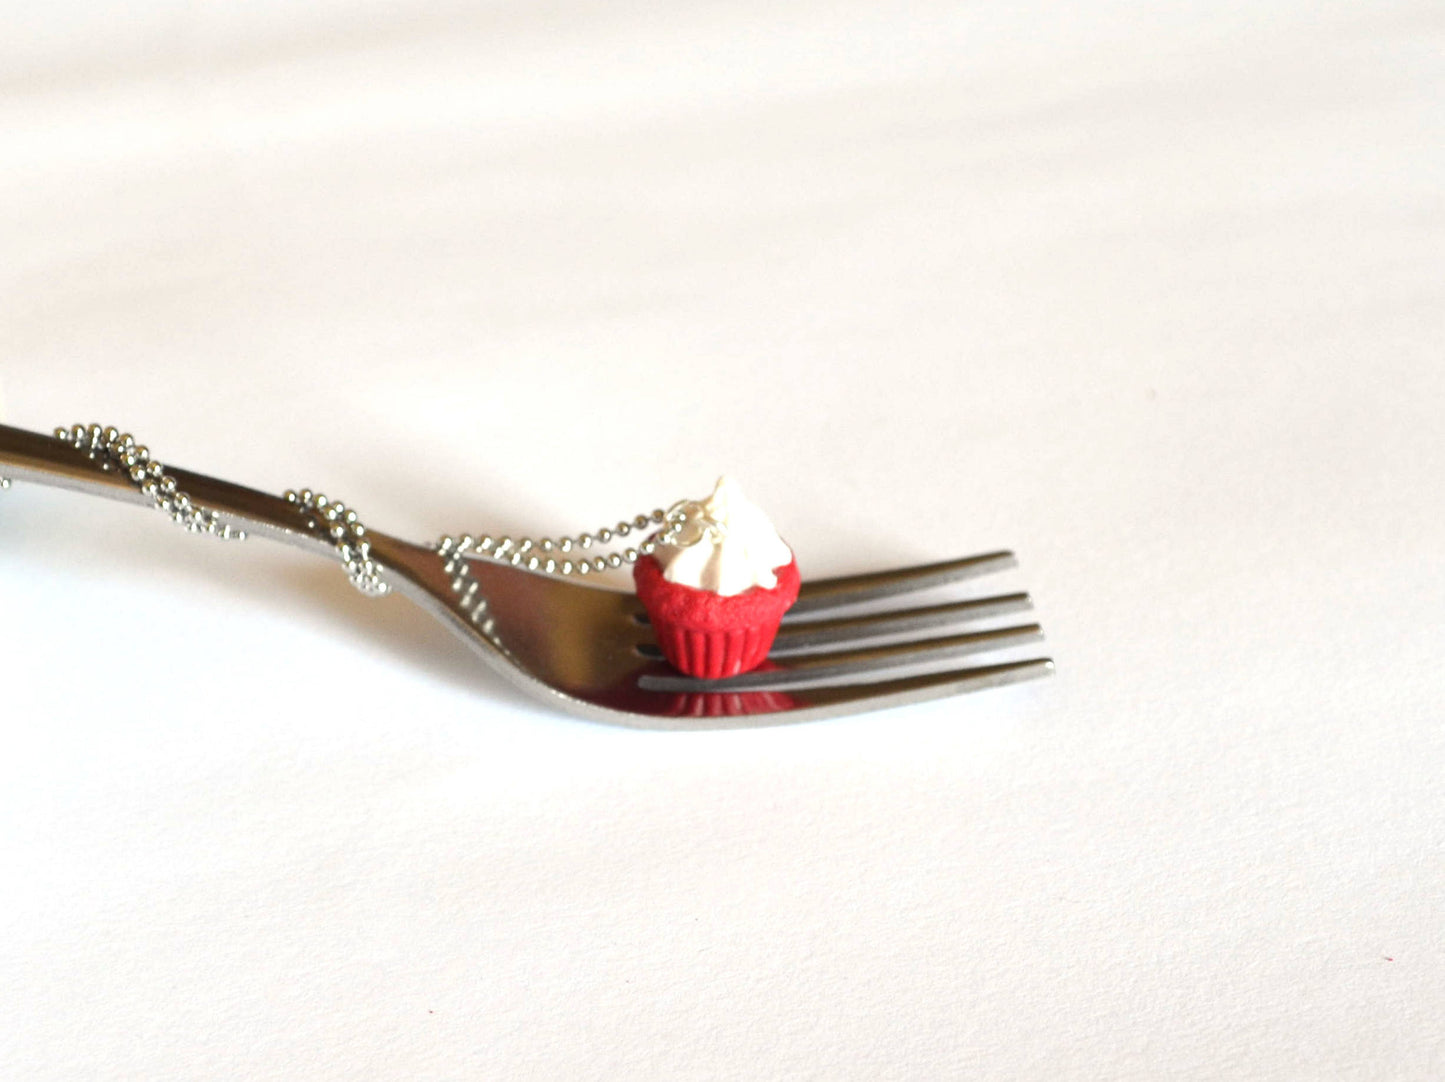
(412, 569)
(47, 460)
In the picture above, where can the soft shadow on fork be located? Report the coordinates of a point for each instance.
(589, 651)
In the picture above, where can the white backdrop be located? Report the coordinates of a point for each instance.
(1153, 293)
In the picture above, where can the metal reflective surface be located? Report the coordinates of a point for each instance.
(588, 650)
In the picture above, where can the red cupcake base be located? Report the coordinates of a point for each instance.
(709, 636)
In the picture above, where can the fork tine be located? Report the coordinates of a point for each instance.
(823, 595)
(897, 691)
(851, 667)
(819, 596)
(937, 685)
(930, 622)
(857, 698)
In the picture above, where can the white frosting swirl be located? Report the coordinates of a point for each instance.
(735, 550)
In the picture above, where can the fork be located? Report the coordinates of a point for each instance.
(587, 649)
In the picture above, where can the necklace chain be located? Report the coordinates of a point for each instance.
(343, 528)
(116, 451)
(684, 523)
(562, 556)
(568, 555)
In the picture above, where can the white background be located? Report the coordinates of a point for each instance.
(1152, 293)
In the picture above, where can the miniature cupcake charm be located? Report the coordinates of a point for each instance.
(716, 585)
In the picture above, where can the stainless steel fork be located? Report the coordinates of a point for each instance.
(584, 648)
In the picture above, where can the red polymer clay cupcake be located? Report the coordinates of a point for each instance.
(716, 585)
